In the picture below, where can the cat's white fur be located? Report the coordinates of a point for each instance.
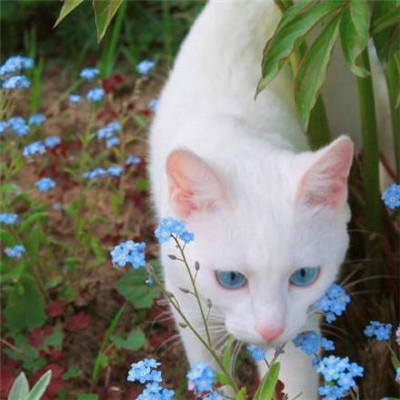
(238, 171)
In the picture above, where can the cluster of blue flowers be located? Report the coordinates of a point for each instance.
(391, 196)
(14, 65)
(95, 95)
(133, 160)
(51, 141)
(333, 303)
(114, 170)
(379, 330)
(16, 251)
(129, 252)
(201, 378)
(145, 66)
(33, 149)
(8, 218)
(19, 126)
(45, 184)
(108, 133)
(340, 374)
(311, 342)
(74, 98)
(145, 371)
(89, 74)
(171, 226)
(257, 353)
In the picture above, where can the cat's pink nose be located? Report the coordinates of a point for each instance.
(270, 334)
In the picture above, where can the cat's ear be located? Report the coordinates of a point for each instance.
(193, 185)
(325, 181)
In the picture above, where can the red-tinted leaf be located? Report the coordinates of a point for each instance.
(77, 322)
(56, 308)
(279, 388)
(37, 335)
(7, 380)
(110, 85)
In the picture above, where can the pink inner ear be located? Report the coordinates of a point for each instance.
(193, 185)
(325, 183)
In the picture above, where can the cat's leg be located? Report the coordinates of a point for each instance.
(296, 373)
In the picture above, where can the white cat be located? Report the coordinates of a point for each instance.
(238, 172)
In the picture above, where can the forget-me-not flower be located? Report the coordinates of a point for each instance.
(95, 94)
(257, 353)
(15, 251)
(89, 73)
(15, 64)
(201, 378)
(45, 184)
(133, 160)
(34, 148)
(130, 253)
(36, 119)
(378, 329)
(18, 126)
(16, 82)
(391, 196)
(169, 226)
(145, 66)
(8, 218)
(51, 141)
(74, 98)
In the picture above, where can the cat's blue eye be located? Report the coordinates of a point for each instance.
(231, 279)
(304, 276)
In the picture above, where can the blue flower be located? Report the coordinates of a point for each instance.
(95, 173)
(154, 391)
(133, 160)
(34, 148)
(8, 218)
(36, 119)
(74, 98)
(16, 82)
(391, 196)
(112, 142)
(89, 73)
(3, 127)
(171, 226)
(379, 330)
(153, 104)
(45, 184)
(398, 335)
(144, 371)
(333, 303)
(18, 126)
(340, 373)
(15, 64)
(114, 170)
(109, 130)
(52, 141)
(150, 281)
(201, 378)
(257, 353)
(15, 251)
(145, 66)
(311, 341)
(397, 375)
(96, 94)
(129, 252)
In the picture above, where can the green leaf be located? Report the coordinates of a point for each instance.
(40, 387)
(359, 13)
(351, 45)
(88, 397)
(312, 71)
(226, 357)
(387, 40)
(20, 388)
(67, 7)
(25, 307)
(132, 286)
(142, 184)
(266, 390)
(134, 341)
(241, 394)
(100, 363)
(290, 33)
(390, 19)
(38, 215)
(104, 11)
(73, 372)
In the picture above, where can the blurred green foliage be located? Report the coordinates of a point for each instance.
(150, 29)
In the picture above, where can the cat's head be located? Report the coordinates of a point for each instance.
(270, 234)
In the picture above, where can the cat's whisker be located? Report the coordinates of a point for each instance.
(342, 338)
(366, 279)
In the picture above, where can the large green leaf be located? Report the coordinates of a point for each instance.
(241, 394)
(104, 11)
(25, 307)
(20, 388)
(291, 31)
(359, 13)
(40, 387)
(132, 286)
(134, 341)
(266, 390)
(67, 7)
(351, 45)
(391, 18)
(312, 71)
